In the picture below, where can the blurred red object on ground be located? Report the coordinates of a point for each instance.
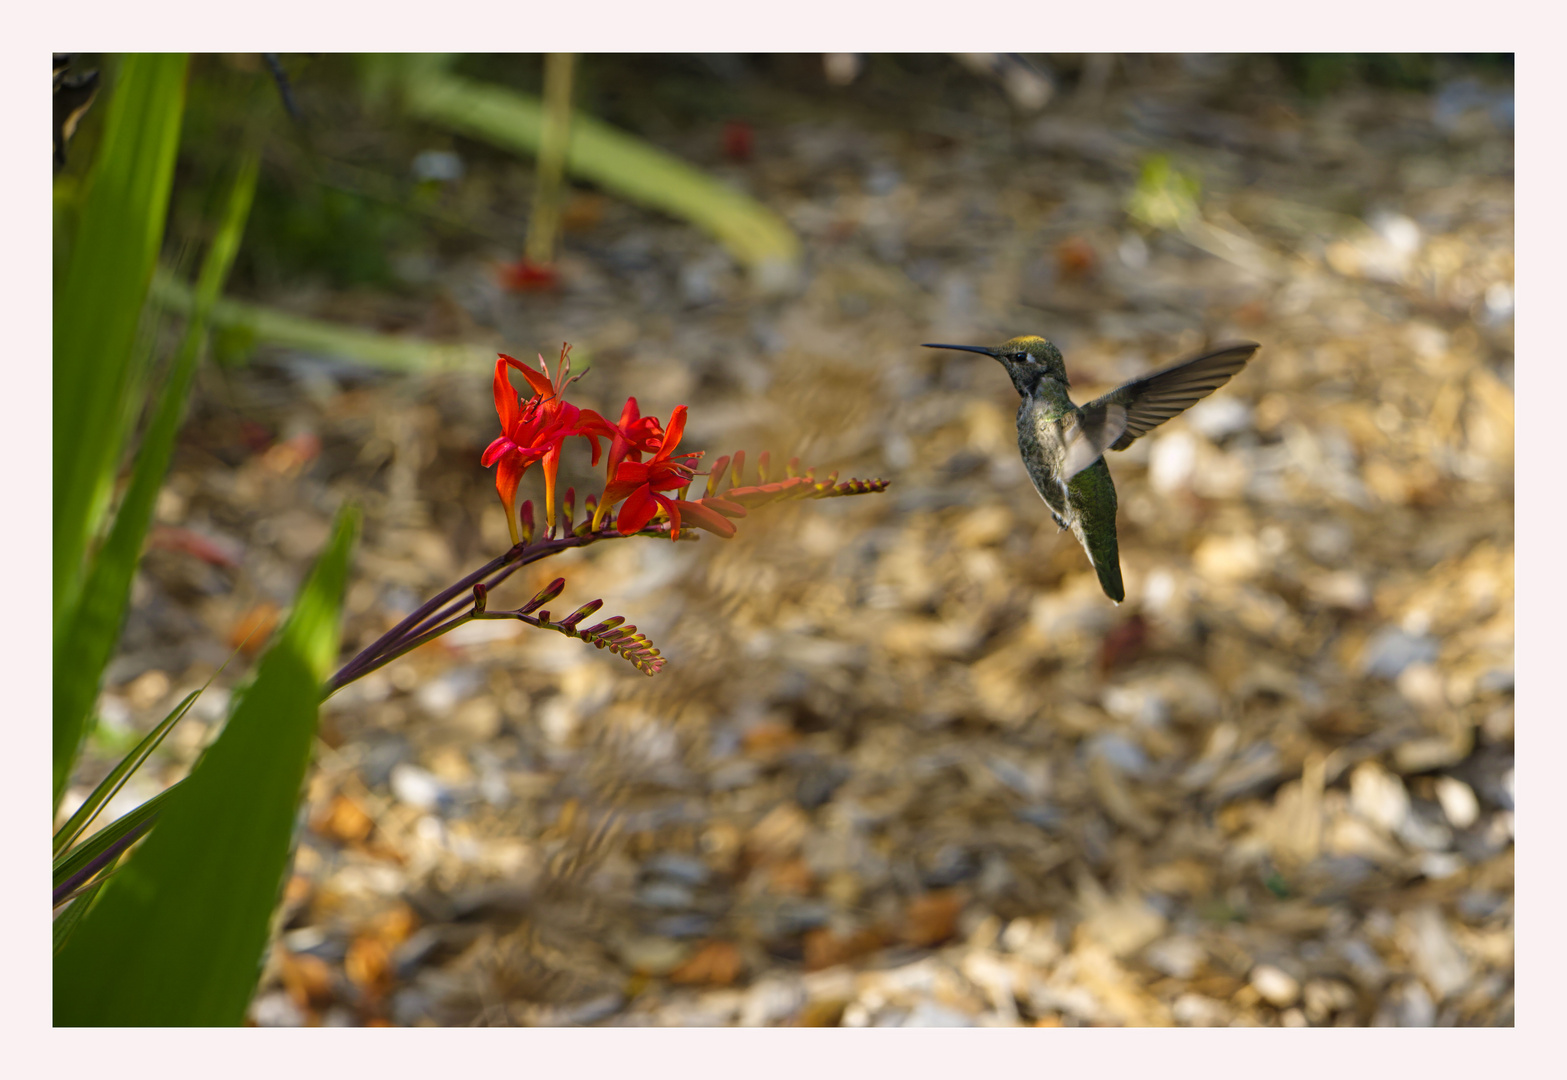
(208, 550)
(1076, 257)
(525, 275)
(739, 140)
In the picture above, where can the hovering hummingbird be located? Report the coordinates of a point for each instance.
(1063, 445)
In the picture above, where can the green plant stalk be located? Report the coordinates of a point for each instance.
(617, 162)
(178, 935)
(313, 335)
(99, 305)
(85, 639)
(545, 220)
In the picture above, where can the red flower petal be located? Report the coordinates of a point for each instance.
(540, 383)
(622, 444)
(669, 478)
(637, 512)
(590, 425)
(507, 476)
(505, 397)
(672, 507)
(613, 493)
(634, 473)
(672, 433)
(551, 464)
(496, 449)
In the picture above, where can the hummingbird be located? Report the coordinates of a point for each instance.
(1063, 444)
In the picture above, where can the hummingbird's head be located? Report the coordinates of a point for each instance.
(1028, 359)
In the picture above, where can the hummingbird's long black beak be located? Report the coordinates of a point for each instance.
(963, 348)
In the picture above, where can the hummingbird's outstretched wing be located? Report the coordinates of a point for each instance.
(1151, 400)
(1089, 434)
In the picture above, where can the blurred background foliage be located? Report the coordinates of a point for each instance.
(343, 219)
(1275, 788)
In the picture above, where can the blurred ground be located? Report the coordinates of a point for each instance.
(906, 764)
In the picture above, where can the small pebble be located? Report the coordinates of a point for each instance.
(1378, 796)
(1458, 802)
(1195, 1010)
(276, 1009)
(1407, 1005)
(1177, 956)
(1277, 987)
(930, 1014)
(771, 1001)
(1324, 997)
(417, 787)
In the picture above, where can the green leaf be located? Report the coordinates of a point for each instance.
(66, 921)
(85, 640)
(112, 783)
(97, 310)
(178, 935)
(67, 864)
(617, 162)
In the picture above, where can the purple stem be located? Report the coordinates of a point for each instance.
(446, 603)
(104, 858)
(401, 630)
(458, 605)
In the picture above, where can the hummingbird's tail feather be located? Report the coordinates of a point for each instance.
(1109, 570)
(1092, 496)
(1104, 556)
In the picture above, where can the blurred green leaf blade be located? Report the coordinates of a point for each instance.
(617, 162)
(261, 324)
(85, 641)
(112, 783)
(178, 935)
(68, 863)
(66, 921)
(99, 306)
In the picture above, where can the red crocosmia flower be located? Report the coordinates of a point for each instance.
(535, 430)
(635, 435)
(639, 483)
